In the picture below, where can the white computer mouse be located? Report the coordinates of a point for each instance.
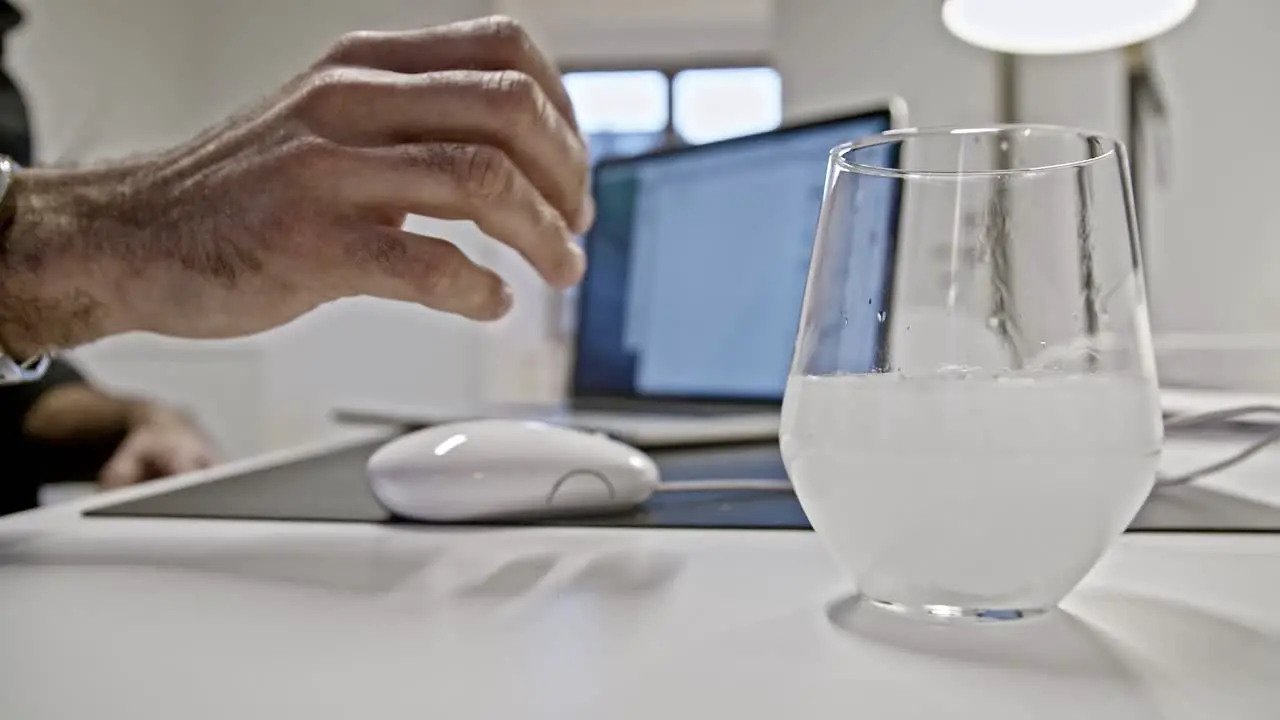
(495, 469)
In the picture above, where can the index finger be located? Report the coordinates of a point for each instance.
(491, 44)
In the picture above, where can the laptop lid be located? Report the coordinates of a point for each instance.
(697, 264)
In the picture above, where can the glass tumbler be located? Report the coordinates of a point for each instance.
(972, 416)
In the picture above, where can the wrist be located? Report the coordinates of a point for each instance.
(139, 413)
(53, 283)
(142, 413)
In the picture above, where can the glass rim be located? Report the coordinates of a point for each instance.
(898, 135)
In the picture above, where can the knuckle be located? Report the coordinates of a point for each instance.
(507, 35)
(324, 92)
(348, 48)
(309, 156)
(514, 93)
(484, 173)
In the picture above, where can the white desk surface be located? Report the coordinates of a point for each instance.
(126, 619)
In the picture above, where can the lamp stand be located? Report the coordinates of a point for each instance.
(1003, 309)
(1145, 106)
(996, 223)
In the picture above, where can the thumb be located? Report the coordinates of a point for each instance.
(178, 460)
(126, 467)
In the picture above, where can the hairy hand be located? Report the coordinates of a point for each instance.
(300, 201)
(160, 443)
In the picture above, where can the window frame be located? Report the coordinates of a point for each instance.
(669, 68)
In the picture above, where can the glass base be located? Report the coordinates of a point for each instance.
(867, 615)
(952, 612)
(1052, 641)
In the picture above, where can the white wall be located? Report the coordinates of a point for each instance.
(248, 47)
(105, 78)
(1217, 264)
(621, 30)
(834, 54)
(1213, 257)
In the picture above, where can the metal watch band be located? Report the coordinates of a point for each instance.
(13, 371)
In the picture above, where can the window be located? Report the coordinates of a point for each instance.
(621, 112)
(710, 105)
(626, 112)
(632, 111)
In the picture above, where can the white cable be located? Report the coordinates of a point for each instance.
(1215, 416)
(1225, 414)
(1210, 342)
(726, 486)
(1162, 480)
(1165, 481)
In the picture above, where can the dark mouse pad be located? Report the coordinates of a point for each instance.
(332, 487)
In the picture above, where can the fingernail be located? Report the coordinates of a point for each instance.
(586, 215)
(506, 299)
(578, 263)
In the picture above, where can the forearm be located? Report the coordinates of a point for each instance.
(73, 430)
(77, 412)
(57, 267)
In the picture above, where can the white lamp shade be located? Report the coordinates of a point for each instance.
(1061, 27)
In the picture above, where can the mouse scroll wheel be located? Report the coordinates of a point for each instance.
(577, 486)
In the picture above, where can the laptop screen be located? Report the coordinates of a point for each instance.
(697, 265)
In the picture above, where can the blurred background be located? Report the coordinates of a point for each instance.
(110, 78)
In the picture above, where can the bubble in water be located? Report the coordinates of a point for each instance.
(1024, 379)
(880, 316)
(955, 371)
(993, 322)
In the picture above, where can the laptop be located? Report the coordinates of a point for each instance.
(697, 262)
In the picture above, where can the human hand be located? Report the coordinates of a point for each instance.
(300, 201)
(161, 442)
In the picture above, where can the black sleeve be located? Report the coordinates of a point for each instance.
(20, 484)
(17, 400)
